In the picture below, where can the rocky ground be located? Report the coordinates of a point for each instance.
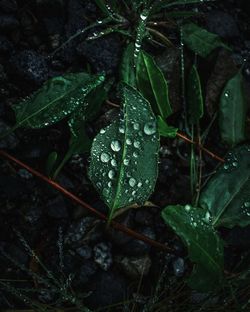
(103, 265)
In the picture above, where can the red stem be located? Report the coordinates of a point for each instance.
(77, 200)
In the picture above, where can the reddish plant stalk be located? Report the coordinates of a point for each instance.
(77, 200)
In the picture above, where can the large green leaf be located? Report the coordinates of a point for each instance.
(55, 100)
(227, 194)
(194, 96)
(200, 40)
(124, 155)
(152, 84)
(204, 245)
(232, 113)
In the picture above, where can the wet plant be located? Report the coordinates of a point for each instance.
(124, 155)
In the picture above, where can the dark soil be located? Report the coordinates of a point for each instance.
(102, 267)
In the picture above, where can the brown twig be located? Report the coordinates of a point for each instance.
(77, 200)
(201, 147)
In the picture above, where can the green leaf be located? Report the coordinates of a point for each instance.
(195, 98)
(227, 194)
(107, 8)
(205, 248)
(165, 130)
(124, 155)
(58, 98)
(153, 85)
(201, 41)
(51, 161)
(127, 69)
(233, 110)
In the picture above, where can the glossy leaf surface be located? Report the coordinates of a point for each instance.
(124, 155)
(165, 130)
(232, 113)
(153, 85)
(199, 40)
(205, 249)
(227, 194)
(58, 98)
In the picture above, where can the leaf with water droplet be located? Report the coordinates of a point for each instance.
(133, 154)
(233, 111)
(56, 99)
(205, 248)
(225, 195)
(201, 41)
(194, 97)
(165, 130)
(152, 84)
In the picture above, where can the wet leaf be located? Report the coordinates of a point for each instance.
(127, 69)
(227, 194)
(205, 249)
(153, 85)
(165, 130)
(194, 96)
(201, 41)
(232, 112)
(58, 98)
(124, 155)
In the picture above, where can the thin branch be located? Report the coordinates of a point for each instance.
(77, 200)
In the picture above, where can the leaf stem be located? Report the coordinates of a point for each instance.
(85, 205)
(201, 147)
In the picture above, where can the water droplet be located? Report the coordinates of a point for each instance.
(137, 144)
(135, 154)
(111, 174)
(226, 166)
(128, 141)
(147, 181)
(143, 17)
(102, 131)
(113, 163)
(226, 94)
(150, 128)
(121, 129)
(132, 182)
(136, 126)
(187, 207)
(235, 164)
(126, 162)
(139, 184)
(133, 193)
(105, 157)
(109, 184)
(247, 204)
(116, 146)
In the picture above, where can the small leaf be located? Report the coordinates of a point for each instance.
(51, 161)
(195, 98)
(165, 130)
(201, 41)
(124, 155)
(233, 110)
(127, 69)
(58, 98)
(153, 85)
(227, 194)
(205, 248)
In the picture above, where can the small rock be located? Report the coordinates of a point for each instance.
(8, 6)
(179, 267)
(134, 267)
(8, 23)
(29, 66)
(9, 142)
(57, 208)
(103, 255)
(77, 230)
(103, 53)
(222, 24)
(24, 174)
(85, 252)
